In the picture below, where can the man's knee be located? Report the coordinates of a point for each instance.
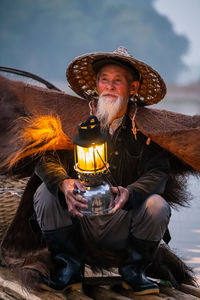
(151, 221)
(50, 214)
(43, 199)
(158, 208)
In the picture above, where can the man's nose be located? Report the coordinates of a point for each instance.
(110, 85)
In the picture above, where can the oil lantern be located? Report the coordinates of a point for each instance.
(91, 165)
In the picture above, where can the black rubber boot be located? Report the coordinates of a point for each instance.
(140, 254)
(64, 245)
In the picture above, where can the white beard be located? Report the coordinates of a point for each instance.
(108, 110)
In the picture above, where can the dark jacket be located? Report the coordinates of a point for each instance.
(142, 168)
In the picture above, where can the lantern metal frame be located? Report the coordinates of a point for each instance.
(100, 198)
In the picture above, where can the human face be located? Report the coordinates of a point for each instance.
(114, 83)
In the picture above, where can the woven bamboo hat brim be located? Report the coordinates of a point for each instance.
(82, 78)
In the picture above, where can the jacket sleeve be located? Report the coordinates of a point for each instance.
(52, 169)
(154, 168)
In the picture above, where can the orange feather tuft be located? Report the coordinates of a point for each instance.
(39, 134)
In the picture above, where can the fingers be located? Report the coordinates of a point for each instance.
(121, 198)
(72, 185)
(73, 191)
(114, 189)
(78, 185)
(118, 205)
(76, 203)
(81, 199)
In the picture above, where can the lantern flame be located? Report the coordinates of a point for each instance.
(91, 159)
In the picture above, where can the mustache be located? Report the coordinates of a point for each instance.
(108, 93)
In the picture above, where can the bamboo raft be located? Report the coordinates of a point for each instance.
(95, 287)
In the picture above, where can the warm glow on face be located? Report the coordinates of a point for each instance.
(90, 159)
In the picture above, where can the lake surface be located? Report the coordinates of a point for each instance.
(185, 223)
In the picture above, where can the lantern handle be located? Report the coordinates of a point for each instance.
(109, 173)
(88, 121)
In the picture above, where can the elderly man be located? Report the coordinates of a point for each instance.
(140, 216)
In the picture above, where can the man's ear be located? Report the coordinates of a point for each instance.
(134, 87)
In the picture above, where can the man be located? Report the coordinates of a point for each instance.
(140, 216)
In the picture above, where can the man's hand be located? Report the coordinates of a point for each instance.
(120, 199)
(74, 201)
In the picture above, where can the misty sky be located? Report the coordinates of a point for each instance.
(184, 15)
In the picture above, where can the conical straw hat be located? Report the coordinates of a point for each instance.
(82, 77)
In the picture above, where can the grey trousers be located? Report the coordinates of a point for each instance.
(149, 222)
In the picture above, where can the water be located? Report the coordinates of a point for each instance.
(185, 225)
(185, 229)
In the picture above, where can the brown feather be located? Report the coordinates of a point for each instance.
(177, 133)
(168, 266)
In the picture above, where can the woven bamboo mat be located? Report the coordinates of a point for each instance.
(10, 193)
(98, 288)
